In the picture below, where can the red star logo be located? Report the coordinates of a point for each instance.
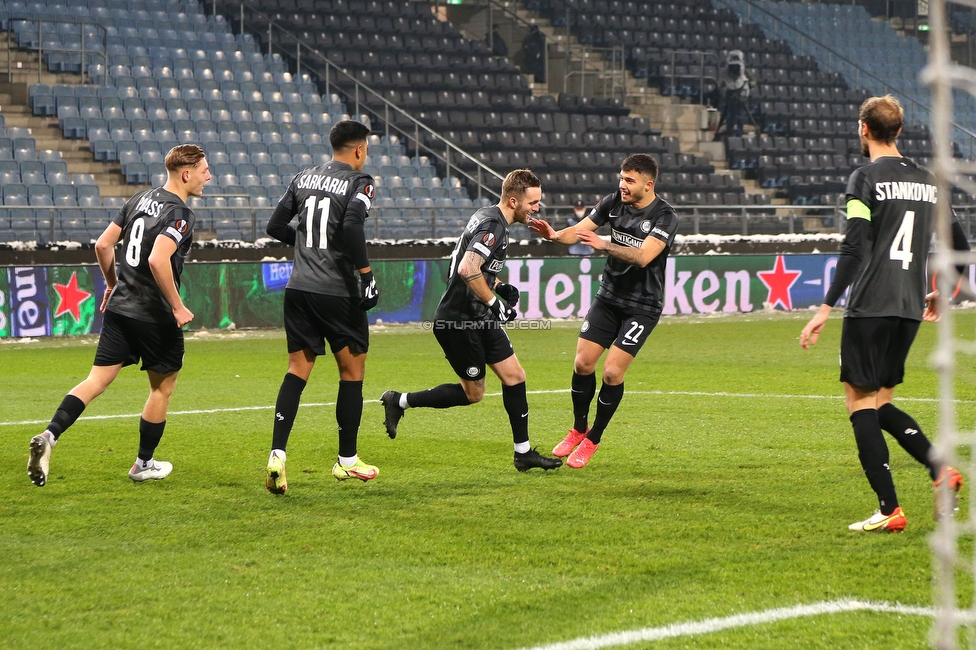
(779, 281)
(70, 298)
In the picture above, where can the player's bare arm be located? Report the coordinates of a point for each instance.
(566, 236)
(651, 248)
(105, 254)
(159, 263)
(470, 272)
(812, 331)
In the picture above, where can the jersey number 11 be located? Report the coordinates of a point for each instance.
(901, 247)
(321, 223)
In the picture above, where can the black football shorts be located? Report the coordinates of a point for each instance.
(311, 319)
(470, 345)
(873, 351)
(126, 340)
(608, 325)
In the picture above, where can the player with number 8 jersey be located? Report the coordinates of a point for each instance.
(890, 209)
(146, 216)
(144, 313)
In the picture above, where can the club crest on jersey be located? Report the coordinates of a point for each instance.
(645, 226)
(488, 239)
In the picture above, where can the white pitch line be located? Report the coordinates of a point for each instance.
(739, 620)
(665, 393)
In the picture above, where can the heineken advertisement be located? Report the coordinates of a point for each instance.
(64, 300)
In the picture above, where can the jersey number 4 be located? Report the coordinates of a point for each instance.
(901, 247)
(320, 223)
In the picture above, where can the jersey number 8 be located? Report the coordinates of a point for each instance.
(133, 250)
(321, 224)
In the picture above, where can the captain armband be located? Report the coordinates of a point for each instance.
(856, 209)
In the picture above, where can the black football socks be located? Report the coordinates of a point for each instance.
(286, 408)
(150, 433)
(873, 453)
(349, 414)
(583, 390)
(439, 397)
(906, 431)
(517, 407)
(71, 407)
(606, 405)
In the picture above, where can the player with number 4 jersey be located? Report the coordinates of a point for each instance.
(629, 303)
(890, 210)
(328, 294)
(144, 313)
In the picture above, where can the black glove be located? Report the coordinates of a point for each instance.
(370, 295)
(509, 294)
(501, 311)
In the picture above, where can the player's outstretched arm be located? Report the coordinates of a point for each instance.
(566, 236)
(811, 332)
(159, 263)
(642, 256)
(105, 254)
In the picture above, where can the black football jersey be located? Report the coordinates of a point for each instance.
(627, 285)
(320, 197)
(487, 235)
(901, 196)
(144, 217)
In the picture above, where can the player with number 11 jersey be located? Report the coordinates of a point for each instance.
(328, 294)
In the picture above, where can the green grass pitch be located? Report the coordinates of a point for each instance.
(724, 485)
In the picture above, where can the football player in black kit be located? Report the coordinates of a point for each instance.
(469, 318)
(629, 302)
(144, 314)
(328, 294)
(890, 208)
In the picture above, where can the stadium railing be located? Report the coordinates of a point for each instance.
(917, 110)
(332, 78)
(41, 48)
(246, 222)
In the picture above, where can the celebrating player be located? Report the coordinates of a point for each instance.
(144, 314)
(629, 302)
(469, 321)
(890, 204)
(328, 294)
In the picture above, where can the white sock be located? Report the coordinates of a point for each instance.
(50, 437)
(280, 453)
(522, 447)
(403, 401)
(348, 462)
(143, 464)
